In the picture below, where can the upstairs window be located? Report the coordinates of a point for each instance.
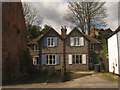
(91, 46)
(51, 41)
(77, 41)
(36, 47)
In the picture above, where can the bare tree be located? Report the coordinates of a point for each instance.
(86, 15)
(31, 14)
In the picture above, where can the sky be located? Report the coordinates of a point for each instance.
(53, 13)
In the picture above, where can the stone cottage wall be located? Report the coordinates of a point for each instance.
(76, 50)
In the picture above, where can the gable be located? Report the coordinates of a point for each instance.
(51, 33)
(75, 32)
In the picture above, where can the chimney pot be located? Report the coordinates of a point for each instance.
(63, 31)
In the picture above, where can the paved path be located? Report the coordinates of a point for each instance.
(89, 81)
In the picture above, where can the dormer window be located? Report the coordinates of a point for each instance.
(36, 47)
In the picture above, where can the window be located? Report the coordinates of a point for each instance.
(50, 41)
(35, 61)
(77, 41)
(36, 47)
(50, 60)
(77, 59)
(91, 60)
(91, 46)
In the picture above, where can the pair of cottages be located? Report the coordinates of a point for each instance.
(75, 51)
(114, 51)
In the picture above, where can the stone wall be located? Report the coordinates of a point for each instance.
(77, 50)
(52, 50)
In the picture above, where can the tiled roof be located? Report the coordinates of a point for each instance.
(93, 40)
(34, 41)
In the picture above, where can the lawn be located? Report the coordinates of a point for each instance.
(108, 76)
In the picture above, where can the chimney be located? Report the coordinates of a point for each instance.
(63, 31)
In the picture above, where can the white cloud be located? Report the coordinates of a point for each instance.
(53, 13)
(112, 12)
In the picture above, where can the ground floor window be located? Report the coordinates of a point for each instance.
(50, 59)
(35, 61)
(77, 59)
(91, 60)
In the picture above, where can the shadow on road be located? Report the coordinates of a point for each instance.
(44, 78)
(71, 76)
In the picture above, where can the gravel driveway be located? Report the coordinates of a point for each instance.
(83, 80)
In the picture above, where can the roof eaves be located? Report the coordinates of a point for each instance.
(116, 31)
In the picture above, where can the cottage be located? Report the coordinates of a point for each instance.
(75, 51)
(114, 51)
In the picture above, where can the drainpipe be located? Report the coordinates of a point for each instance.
(63, 70)
(64, 55)
(118, 54)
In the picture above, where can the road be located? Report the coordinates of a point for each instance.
(86, 81)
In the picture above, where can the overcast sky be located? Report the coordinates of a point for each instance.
(53, 13)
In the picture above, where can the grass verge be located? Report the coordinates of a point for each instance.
(108, 76)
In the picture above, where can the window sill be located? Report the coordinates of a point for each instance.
(92, 49)
(36, 65)
(36, 50)
(77, 46)
(51, 46)
(51, 64)
(79, 64)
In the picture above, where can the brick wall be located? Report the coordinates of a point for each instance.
(14, 33)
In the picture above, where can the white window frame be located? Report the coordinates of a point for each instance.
(74, 62)
(92, 46)
(35, 60)
(48, 57)
(51, 44)
(77, 43)
(36, 47)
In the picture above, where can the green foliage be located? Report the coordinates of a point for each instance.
(46, 29)
(105, 49)
(33, 31)
(102, 37)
